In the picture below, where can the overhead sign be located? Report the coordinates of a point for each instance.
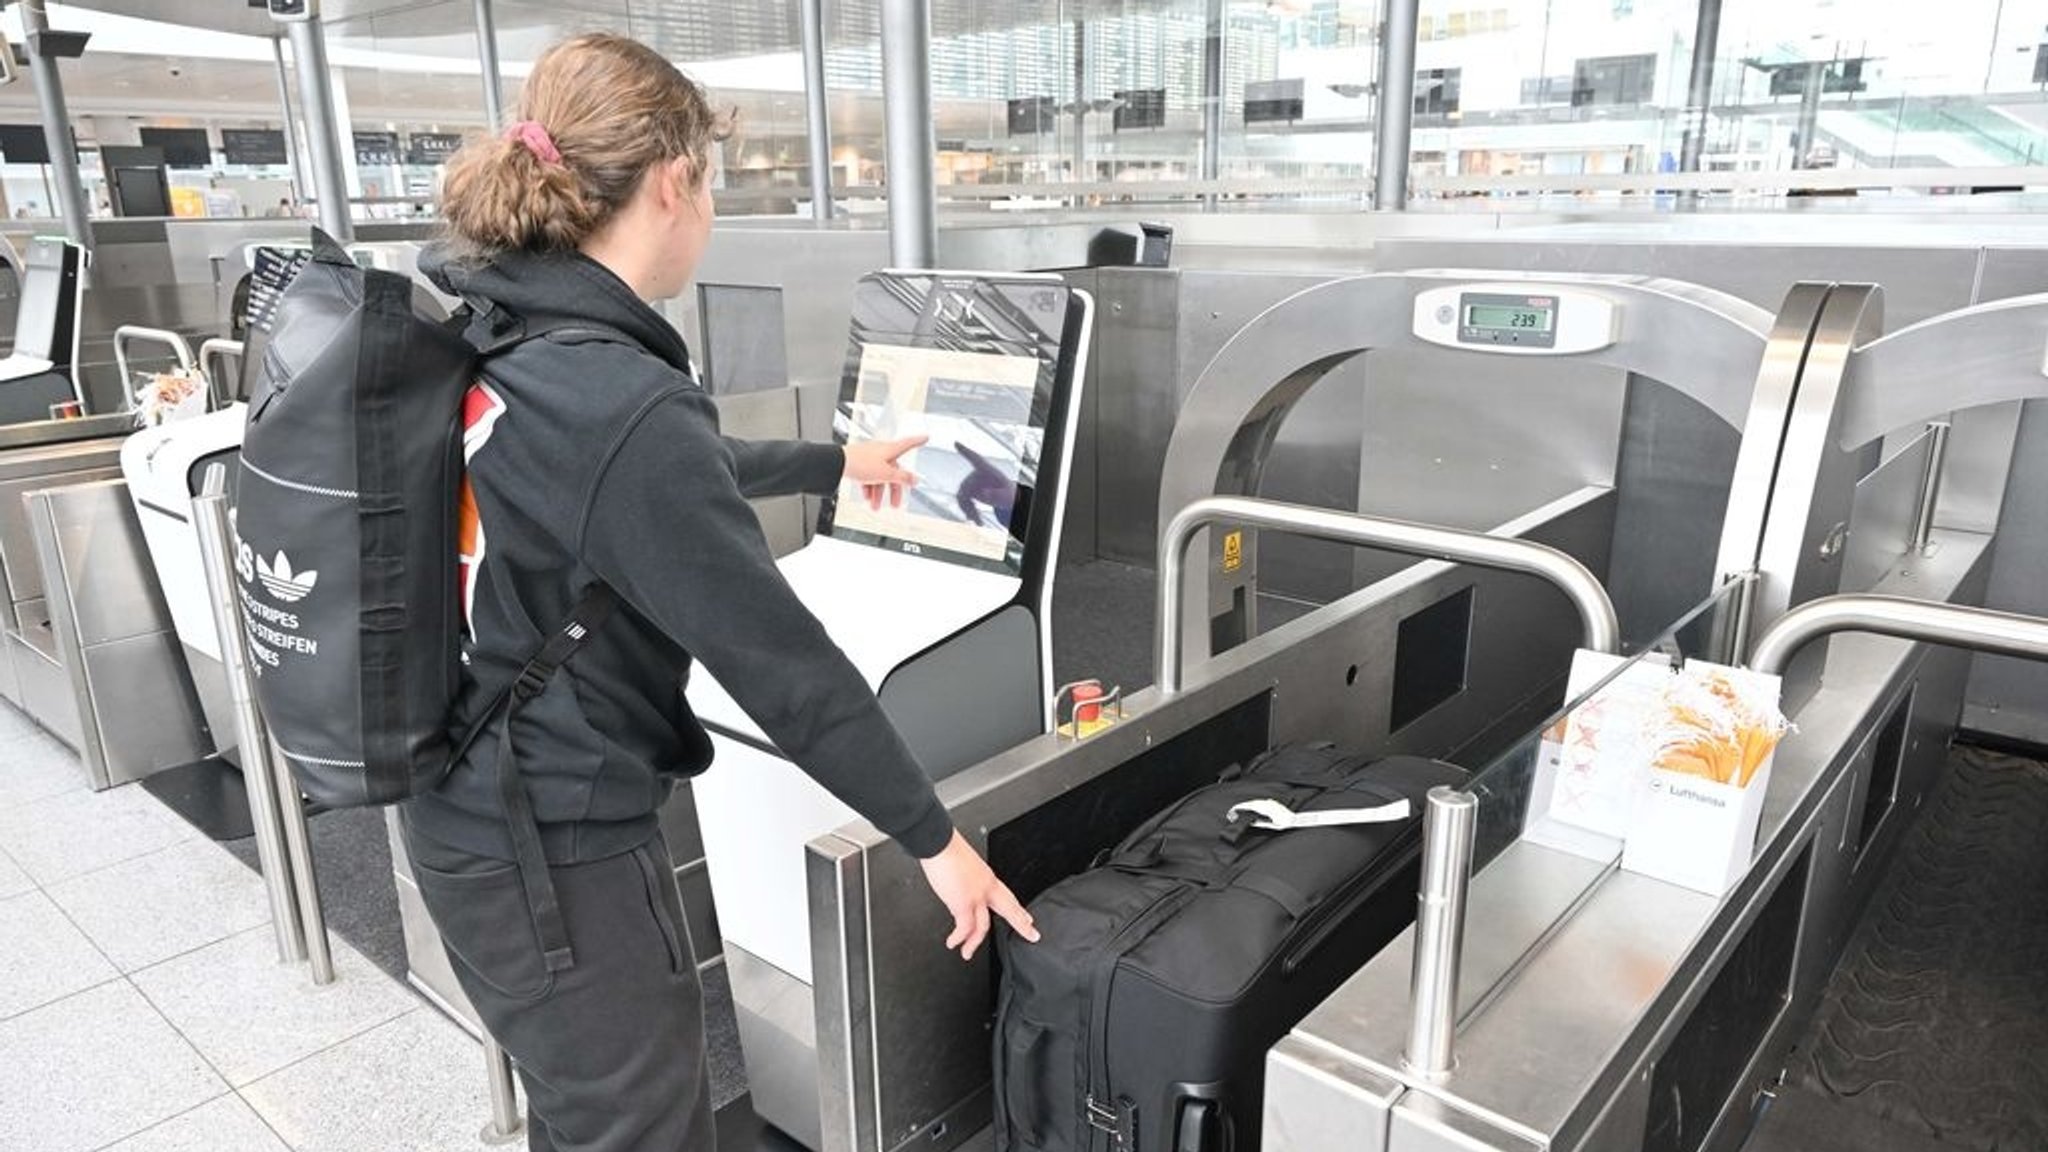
(254, 146)
(431, 147)
(376, 147)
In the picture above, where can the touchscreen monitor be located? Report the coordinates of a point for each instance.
(976, 365)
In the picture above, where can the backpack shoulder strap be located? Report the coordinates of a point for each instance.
(493, 329)
(590, 612)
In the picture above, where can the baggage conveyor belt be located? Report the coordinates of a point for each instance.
(1932, 1034)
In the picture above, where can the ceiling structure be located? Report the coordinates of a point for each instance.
(683, 30)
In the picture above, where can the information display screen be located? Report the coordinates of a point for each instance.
(976, 409)
(974, 365)
(1503, 317)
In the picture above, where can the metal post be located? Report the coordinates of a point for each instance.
(817, 109)
(1706, 37)
(1809, 111)
(35, 21)
(487, 58)
(298, 848)
(1930, 484)
(291, 136)
(1449, 822)
(1396, 113)
(909, 142)
(1212, 98)
(216, 556)
(1602, 630)
(316, 100)
(1977, 629)
(1080, 102)
(505, 1126)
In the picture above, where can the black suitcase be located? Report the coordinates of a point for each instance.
(1141, 1022)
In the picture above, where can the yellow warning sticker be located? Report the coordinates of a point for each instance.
(1233, 551)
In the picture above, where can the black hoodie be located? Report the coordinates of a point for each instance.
(595, 456)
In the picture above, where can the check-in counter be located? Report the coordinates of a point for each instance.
(88, 650)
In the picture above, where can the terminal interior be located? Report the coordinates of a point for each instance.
(1424, 459)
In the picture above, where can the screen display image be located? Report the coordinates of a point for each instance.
(35, 321)
(979, 464)
(1504, 317)
(183, 147)
(24, 144)
(254, 146)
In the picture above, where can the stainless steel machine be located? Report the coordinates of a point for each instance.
(1631, 424)
(1662, 1014)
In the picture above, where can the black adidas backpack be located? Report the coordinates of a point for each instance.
(346, 526)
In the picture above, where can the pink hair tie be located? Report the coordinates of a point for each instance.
(536, 139)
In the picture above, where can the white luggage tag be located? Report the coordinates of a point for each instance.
(1279, 817)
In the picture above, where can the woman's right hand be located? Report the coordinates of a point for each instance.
(967, 887)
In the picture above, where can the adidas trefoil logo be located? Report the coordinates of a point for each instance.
(288, 586)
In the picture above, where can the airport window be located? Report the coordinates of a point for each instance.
(1436, 91)
(1608, 80)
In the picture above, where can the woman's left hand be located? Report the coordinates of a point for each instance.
(872, 464)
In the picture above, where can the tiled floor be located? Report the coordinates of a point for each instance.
(142, 1008)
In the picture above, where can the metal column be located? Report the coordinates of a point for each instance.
(1080, 101)
(1706, 37)
(1212, 93)
(1449, 823)
(817, 111)
(487, 57)
(282, 841)
(910, 141)
(291, 135)
(216, 557)
(35, 22)
(1809, 111)
(1396, 113)
(316, 100)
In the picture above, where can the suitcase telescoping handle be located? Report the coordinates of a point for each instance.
(1279, 817)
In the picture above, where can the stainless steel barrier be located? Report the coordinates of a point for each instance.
(1450, 820)
(282, 845)
(128, 334)
(1978, 629)
(215, 356)
(506, 1126)
(1596, 611)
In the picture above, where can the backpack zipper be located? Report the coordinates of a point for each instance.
(1321, 923)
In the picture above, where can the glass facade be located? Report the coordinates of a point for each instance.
(1034, 96)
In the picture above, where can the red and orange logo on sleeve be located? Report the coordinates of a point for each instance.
(481, 408)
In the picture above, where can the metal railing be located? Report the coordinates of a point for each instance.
(1978, 629)
(216, 356)
(1429, 541)
(1450, 819)
(283, 845)
(128, 334)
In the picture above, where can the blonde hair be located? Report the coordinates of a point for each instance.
(614, 108)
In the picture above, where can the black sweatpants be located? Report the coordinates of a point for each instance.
(611, 1051)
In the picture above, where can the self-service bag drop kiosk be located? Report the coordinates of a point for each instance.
(943, 604)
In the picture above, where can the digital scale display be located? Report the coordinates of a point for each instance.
(1524, 321)
(1504, 318)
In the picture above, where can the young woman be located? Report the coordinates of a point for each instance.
(594, 458)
